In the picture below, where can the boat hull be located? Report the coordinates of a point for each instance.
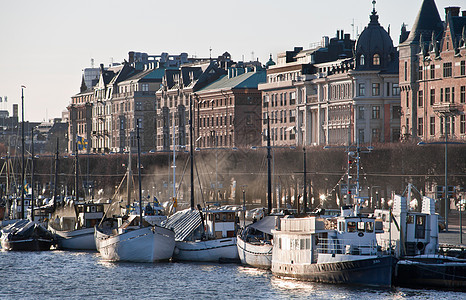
(147, 244)
(258, 256)
(34, 244)
(375, 271)
(81, 239)
(218, 250)
(434, 274)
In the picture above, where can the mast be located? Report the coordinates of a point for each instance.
(76, 178)
(55, 192)
(305, 185)
(129, 178)
(191, 152)
(269, 171)
(139, 175)
(174, 164)
(32, 174)
(22, 152)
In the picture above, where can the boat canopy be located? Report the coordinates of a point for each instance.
(184, 222)
(266, 225)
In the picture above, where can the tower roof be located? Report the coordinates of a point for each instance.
(427, 21)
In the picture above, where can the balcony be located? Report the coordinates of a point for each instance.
(447, 108)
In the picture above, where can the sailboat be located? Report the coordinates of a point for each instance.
(121, 239)
(25, 235)
(76, 232)
(207, 235)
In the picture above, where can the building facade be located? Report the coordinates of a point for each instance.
(433, 75)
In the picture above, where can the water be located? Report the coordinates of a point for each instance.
(78, 275)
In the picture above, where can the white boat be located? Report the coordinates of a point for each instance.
(209, 236)
(128, 242)
(131, 238)
(77, 232)
(345, 251)
(254, 243)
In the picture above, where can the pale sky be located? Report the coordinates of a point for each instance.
(46, 44)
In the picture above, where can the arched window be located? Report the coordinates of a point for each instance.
(361, 60)
(376, 60)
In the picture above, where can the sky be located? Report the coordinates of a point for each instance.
(45, 45)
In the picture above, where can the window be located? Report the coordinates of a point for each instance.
(369, 227)
(395, 89)
(396, 112)
(420, 126)
(447, 69)
(432, 71)
(375, 135)
(138, 106)
(441, 94)
(351, 227)
(265, 101)
(361, 60)
(462, 124)
(284, 99)
(376, 89)
(432, 126)
(463, 94)
(361, 112)
(145, 87)
(453, 94)
(361, 135)
(292, 115)
(447, 94)
(407, 98)
(420, 98)
(362, 89)
(420, 73)
(375, 112)
(376, 61)
(406, 70)
(292, 98)
(432, 96)
(463, 68)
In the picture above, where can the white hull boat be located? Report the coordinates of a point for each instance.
(217, 250)
(81, 239)
(147, 244)
(259, 256)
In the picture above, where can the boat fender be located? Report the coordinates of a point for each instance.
(361, 234)
(176, 251)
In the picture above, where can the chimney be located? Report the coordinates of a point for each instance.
(338, 34)
(464, 13)
(453, 10)
(342, 34)
(130, 57)
(15, 110)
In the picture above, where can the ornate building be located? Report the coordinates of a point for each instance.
(433, 75)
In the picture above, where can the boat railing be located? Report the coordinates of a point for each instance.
(346, 246)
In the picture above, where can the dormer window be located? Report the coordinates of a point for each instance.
(361, 60)
(376, 61)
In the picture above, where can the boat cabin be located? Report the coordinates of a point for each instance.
(89, 214)
(220, 223)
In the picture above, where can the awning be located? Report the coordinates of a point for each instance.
(266, 224)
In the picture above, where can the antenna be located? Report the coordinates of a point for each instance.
(352, 26)
(92, 63)
(210, 52)
(252, 55)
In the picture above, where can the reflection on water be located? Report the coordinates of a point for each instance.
(77, 275)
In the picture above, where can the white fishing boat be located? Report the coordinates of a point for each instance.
(77, 232)
(207, 236)
(129, 242)
(345, 251)
(130, 238)
(254, 243)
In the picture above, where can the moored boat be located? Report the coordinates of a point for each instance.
(312, 249)
(26, 235)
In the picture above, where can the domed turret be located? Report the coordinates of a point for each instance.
(374, 48)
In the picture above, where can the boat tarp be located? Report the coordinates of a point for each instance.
(184, 223)
(266, 224)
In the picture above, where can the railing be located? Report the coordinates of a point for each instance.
(347, 247)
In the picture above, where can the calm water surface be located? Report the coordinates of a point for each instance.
(78, 275)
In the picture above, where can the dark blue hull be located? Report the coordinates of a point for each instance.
(367, 272)
(431, 274)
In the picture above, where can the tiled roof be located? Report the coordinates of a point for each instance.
(246, 80)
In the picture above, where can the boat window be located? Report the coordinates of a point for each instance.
(308, 244)
(302, 244)
(341, 226)
(420, 220)
(410, 219)
(99, 208)
(384, 217)
(351, 227)
(217, 217)
(361, 226)
(279, 243)
(369, 227)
